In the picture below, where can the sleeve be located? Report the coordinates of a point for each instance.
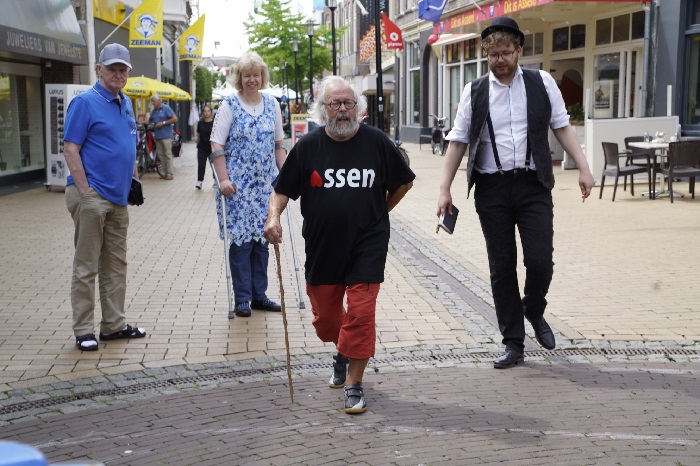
(279, 131)
(77, 122)
(289, 179)
(170, 111)
(460, 129)
(222, 124)
(560, 117)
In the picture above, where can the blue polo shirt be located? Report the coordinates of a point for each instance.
(106, 132)
(161, 114)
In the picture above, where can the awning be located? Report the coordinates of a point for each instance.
(554, 10)
(43, 29)
(447, 39)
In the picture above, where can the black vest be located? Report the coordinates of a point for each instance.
(539, 112)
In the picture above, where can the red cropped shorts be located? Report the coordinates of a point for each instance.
(353, 330)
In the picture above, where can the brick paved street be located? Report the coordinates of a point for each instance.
(621, 388)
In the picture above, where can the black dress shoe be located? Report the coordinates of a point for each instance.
(509, 359)
(544, 334)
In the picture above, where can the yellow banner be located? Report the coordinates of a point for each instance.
(146, 25)
(192, 40)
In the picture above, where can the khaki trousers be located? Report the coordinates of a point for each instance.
(163, 148)
(100, 249)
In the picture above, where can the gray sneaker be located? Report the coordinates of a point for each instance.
(355, 399)
(340, 371)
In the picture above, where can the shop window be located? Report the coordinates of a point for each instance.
(453, 52)
(415, 97)
(455, 94)
(696, 12)
(21, 125)
(534, 44)
(470, 50)
(603, 31)
(560, 39)
(638, 25)
(606, 69)
(568, 38)
(578, 36)
(415, 55)
(621, 28)
(692, 116)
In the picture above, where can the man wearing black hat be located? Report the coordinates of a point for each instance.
(504, 118)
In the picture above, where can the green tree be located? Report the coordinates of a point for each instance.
(203, 79)
(270, 34)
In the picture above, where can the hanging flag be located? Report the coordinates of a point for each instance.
(146, 25)
(191, 41)
(431, 10)
(391, 34)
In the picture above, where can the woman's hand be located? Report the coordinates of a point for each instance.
(228, 188)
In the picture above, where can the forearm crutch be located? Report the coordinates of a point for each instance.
(294, 256)
(222, 198)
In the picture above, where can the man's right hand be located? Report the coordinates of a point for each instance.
(273, 230)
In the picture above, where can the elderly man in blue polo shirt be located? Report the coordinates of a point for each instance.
(100, 150)
(163, 118)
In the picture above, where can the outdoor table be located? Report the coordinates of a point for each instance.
(660, 151)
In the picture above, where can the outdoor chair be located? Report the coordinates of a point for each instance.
(612, 168)
(683, 161)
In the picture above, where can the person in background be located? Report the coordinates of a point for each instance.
(349, 177)
(100, 150)
(247, 151)
(163, 118)
(204, 127)
(504, 118)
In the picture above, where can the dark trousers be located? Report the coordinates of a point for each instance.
(504, 201)
(202, 160)
(249, 270)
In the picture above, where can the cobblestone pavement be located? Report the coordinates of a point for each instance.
(621, 388)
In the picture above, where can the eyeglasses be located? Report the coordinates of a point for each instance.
(493, 56)
(335, 105)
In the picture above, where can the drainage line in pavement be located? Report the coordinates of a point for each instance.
(459, 355)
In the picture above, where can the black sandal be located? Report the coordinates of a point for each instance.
(87, 342)
(128, 332)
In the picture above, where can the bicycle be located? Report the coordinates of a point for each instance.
(438, 143)
(146, 155)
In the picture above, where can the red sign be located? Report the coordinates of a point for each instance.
(391, 34)
(496, 9)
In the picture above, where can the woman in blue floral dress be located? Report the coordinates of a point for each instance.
(247, 152)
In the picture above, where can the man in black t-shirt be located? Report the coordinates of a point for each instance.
(349, 176)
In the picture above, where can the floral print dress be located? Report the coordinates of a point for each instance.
(251, 165)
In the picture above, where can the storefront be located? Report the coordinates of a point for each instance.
(596, 51)
(42, 43)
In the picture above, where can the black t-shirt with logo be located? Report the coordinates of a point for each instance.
(343, 187)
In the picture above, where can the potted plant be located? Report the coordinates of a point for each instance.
(576, 115)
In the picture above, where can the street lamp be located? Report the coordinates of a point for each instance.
(332, 5)
(310, 25)
(295, 47)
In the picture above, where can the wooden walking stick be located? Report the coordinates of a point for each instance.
(284, 321)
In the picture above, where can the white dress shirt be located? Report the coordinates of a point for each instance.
(508, 107)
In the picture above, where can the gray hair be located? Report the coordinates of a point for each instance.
(318, 110)
(157, 97)
(247, 62)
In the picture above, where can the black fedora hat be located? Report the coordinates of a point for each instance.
(504, 24)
